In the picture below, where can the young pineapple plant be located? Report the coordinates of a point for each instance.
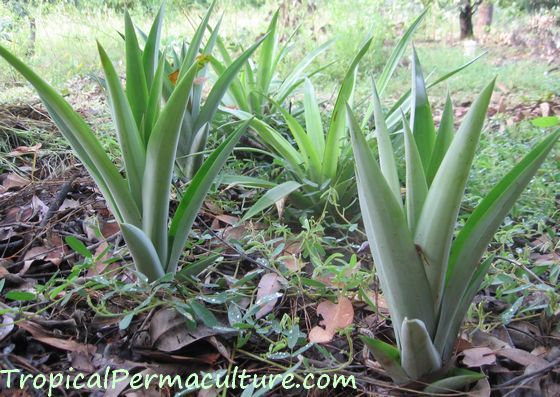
(201, 110)
(148, 135)
(260, 83)
(428, 276)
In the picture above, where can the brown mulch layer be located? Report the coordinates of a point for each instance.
(38, 210)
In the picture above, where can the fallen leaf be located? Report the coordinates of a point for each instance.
(68, 204)
(168, 331)
(280, 206)
(174, 76)
(38, 333)
(26, 149)
(335, 316)
(269, 284)
(7, 326)
(522, 357)
(481, 389)
(110, 229)
(478, 356)
(34, 254)
(320, 335)
(14, 180)
(39, 207)
(545, 109)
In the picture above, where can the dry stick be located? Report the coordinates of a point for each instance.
(521, 265)
(242, 254)
(523, 379)
(50, 212)
(55, 205)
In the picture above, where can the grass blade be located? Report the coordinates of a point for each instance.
(271, 197)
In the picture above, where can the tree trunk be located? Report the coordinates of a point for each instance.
(465, 20)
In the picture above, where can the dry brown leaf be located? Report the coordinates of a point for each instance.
(39, 207)
(14, 180)
(69, 204)
(26, 149)
(522, 357)
(34, 254)
(320, 335)
(280, 206)
(110, 229)
(40, 334)
(174, 76)
(545, 109)
(335, 316)
(269, 284)
(478, 356)
(7, 326)
(481, 389)
(293, 262)
(168, 331)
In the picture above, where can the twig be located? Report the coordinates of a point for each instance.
(531, 273)
(55, 205)
(523, 379)
(240, 253)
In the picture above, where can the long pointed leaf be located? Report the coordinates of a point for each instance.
(83, 141)
(150, 57)
(130, 141)
(337, 126)
(418, 354)
(266, 68)
(416, 187)
(389, 357)
(160, 158)
(446, 192)
(443, 140)
(275, 194)
(194, 196)
(296, 74)
(221, 86)
(421, 121)
(385, 148)
(143, 252)
(313, 123)
(473, 239)
(400, 269)
(393, 61)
